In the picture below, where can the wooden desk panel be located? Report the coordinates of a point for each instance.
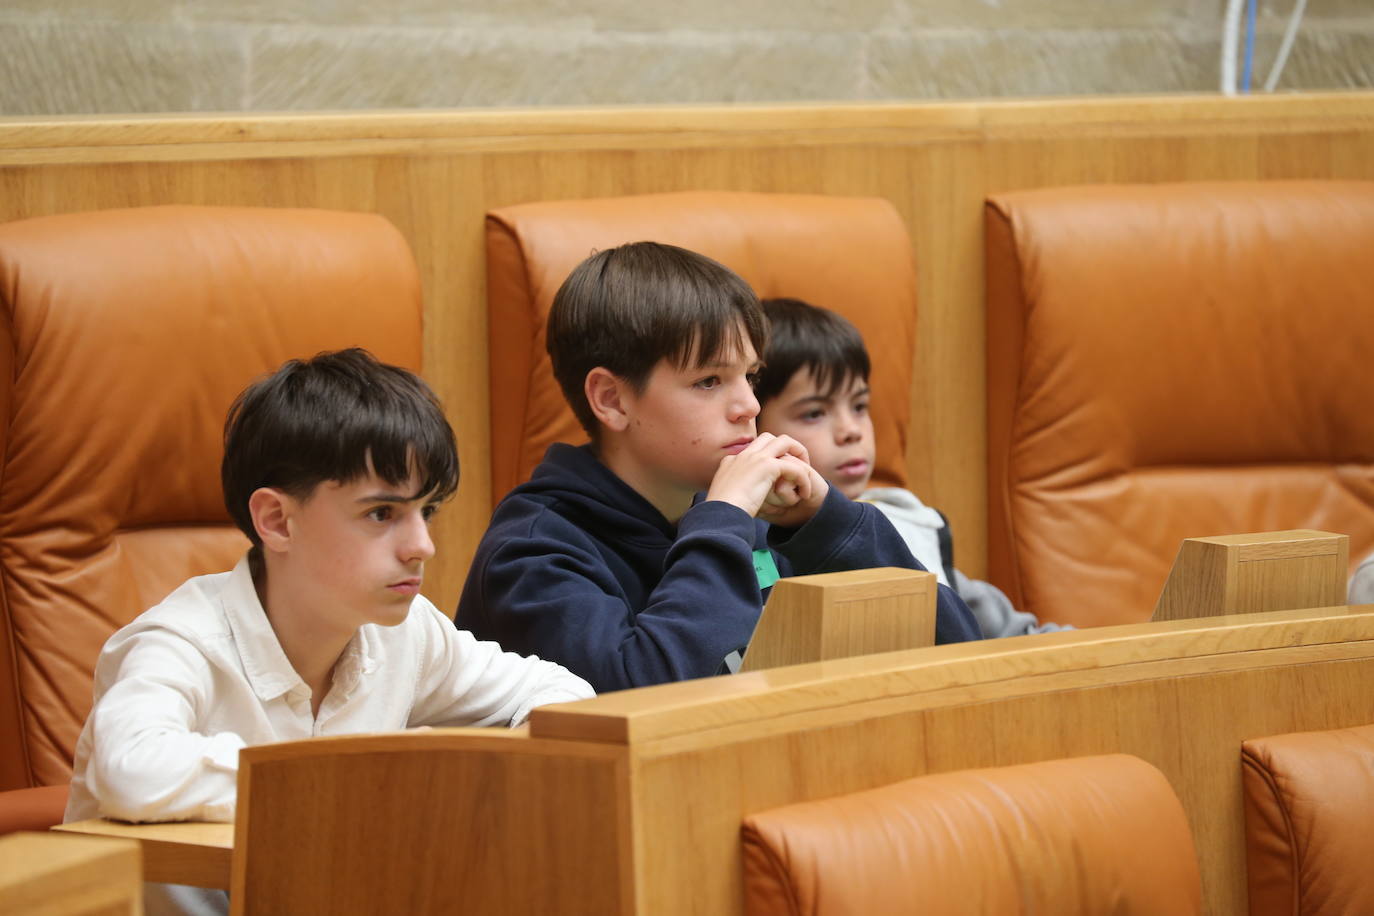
(69, 876)
(631, 802)
(185, 853)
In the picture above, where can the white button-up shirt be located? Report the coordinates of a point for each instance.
(188, 683)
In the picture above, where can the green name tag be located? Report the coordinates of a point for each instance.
(765, 568)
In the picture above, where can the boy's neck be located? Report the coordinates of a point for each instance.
(672, 501)
(312, 650)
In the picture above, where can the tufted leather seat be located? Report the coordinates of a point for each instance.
(124, 336)
(1309, 799)
(1088, 835)
(1172, 361)
(847, 254)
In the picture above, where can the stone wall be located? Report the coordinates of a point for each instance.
(127, 56)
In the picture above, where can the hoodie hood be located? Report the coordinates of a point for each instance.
(573, 481)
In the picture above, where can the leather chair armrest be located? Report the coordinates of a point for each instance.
(32, 809)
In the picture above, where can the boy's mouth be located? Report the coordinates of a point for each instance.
(855, 468)
(739, 445)
(405, 587)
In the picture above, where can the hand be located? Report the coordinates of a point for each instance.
(771, 469)
(777, 510)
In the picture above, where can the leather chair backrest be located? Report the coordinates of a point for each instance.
(1309, 803)
(851, 255)
(1088, 835)
(124, 337)
(1172, 361)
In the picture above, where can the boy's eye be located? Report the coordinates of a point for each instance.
(428, 511)
(812, 415)
(753, 379)
(706, 384)
(861, 407)
(379, 513)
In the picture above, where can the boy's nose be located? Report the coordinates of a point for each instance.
(848, 429)
(417, 545)
(746, 405)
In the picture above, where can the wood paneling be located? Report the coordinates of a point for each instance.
(1182, 696)
(435, 174)
(445, 821)
(631, 802)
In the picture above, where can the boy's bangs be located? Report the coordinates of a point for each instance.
(718, 326)
(805, 337)
(393, 443)
(837, 373)
(716, 342)
(337, 416)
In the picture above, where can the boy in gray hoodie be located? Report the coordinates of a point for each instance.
(814, 388)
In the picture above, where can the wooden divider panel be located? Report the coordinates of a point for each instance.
(445, 821)
(1244, 573)
(836, 615)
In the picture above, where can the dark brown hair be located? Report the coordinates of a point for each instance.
(334, 417)
(629, 307)
(806, 336)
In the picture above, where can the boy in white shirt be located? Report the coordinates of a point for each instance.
(814, 388)
(332, 467)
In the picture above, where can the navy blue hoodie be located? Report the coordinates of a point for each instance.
(579, 569)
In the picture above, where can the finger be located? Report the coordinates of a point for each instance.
(768, 511)
(799, 474)
(771, 446)
(784, 494)
(794, 448)
(760, 443)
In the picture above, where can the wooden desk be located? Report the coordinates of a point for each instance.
(184, 853)
(196, 852)
(60, 875)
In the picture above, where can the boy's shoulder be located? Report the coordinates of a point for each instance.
(892, 496)
(903, 504)
(195, 607)
(572, 492)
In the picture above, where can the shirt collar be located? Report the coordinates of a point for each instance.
(264, 661)
(268, 669)
(360, 657)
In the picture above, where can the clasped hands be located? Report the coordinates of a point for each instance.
(771, 479)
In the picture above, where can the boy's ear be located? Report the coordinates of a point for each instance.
(270, 510)
(605, 393)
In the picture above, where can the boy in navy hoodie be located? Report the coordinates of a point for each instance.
(609, 560)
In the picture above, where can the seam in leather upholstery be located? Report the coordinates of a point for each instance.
(1249, 759)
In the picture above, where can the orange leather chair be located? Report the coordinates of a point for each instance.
(1309, 801)
(124, 337)
(1172, 361)
(1086, 836)
(847, 254)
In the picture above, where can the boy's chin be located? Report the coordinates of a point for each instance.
(852, 490)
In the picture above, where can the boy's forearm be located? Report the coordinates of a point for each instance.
(575, 609)
(472, 682)
(167, 777)
(142, 755)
